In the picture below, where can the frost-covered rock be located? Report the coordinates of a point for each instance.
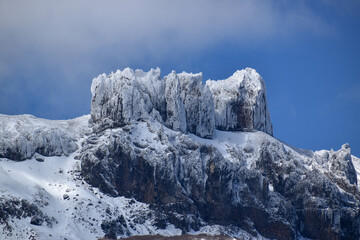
(175, 111)
(338, 165)
(246, 179)
(240, 102)
(124, 96)
(24, 135)
(189, 183)
(180, 101)
(140, 172)
(327, 204)
(198, 104)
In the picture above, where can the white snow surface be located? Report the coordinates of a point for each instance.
(80, 216)
(44, 183)
(24, 135)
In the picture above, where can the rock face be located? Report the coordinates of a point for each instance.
(198, 103)
(175, 111)
(240, 102)
(21, 138)
(124, 96)
(140, 172)
(326, 200)
(262, 186)
(187, 182)
(181, 101)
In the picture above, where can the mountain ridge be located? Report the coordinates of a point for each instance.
(153, 158)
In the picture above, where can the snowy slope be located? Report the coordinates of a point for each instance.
(152, 158)
(76, 209)
(23, 136)
(80, 215)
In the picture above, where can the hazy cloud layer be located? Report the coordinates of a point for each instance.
(80, 30)
(49, 49)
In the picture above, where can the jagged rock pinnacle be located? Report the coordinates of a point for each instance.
(181, 101)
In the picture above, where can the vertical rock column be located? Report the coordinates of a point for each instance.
(175, 111)
(198, 103)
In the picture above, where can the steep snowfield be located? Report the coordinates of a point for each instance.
(231, 144)
(162, 142)
(77, 217)
(75, 209)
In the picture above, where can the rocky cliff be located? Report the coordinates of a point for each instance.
(168, 156)
(240, 102)
(22, 137)
(181, 101)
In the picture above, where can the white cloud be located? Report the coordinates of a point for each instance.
(52, 44)
(63, 29)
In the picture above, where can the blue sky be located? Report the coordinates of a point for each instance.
(307, 51)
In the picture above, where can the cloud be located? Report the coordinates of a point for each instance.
(51, 48)
(78, 28)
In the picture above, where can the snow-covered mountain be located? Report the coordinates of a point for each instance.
(169, 156)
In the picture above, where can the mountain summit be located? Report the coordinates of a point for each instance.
(181, 101)
(169, 156)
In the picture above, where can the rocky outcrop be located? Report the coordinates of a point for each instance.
(198, 104)
(263, 187)
(240, 102)
(191, 184)
(338, 165)
(23, 136)
(326, 200)
(143, 169)
(175, 110)
(125, 96)
(181, 101)
(21, 208)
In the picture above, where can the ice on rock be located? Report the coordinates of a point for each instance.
(180, 101)
(245, 182)
(240, 102)
(152, 84)
(338, 164)
(198, 104)
(24, 135)
(175, 117)
(121, 97)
